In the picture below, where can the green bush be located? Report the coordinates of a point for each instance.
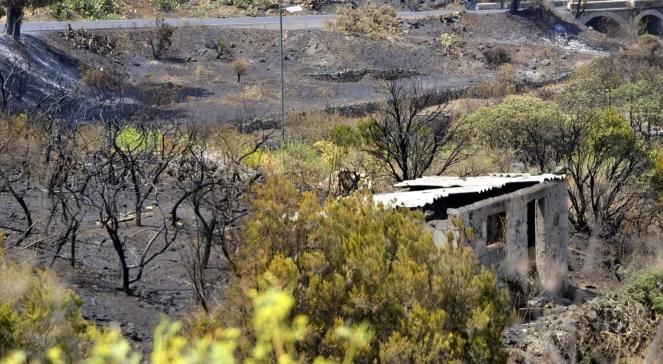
(37, 314)
(163, 41)
(647, 288)
(89, 9)
(223, 50)
(524, 123)
(253, 4)
(277, 334)
(167, 5)
(349, 261)
(345, 136)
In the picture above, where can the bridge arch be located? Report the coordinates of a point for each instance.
(649, 22)
(606, 22)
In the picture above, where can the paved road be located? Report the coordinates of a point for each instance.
(266, 22)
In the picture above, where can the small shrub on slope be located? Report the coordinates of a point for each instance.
(373, 21)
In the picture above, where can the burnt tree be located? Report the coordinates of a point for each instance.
(411, 130)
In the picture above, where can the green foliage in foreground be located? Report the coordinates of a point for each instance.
(89, 9)
(37, 314)
(646, 287)
(349, 262)
(276, 337)
(40, 322)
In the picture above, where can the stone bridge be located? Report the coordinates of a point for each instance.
(612, 17)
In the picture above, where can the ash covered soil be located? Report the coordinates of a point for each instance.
(165, 290)
(323, 70)
(326, 70)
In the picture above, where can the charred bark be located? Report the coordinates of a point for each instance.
(14, 20)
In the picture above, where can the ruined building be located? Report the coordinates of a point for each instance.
(520, 221)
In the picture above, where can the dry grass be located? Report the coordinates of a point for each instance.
(249, 93)
(506, 84)
(372, 21)
(312, 126)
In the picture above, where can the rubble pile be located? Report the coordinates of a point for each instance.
(602, 330)
(610, 329)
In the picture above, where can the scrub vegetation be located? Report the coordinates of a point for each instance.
(130, 233)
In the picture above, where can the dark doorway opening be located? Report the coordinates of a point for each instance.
(531, 235)
(496, 228)
(650, 24)
(605, 25)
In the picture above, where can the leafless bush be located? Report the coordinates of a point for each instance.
(20, 158)
(12, 82)
(496, 56)
(213, 184)
(131, 159)
(67, 186)
(411, 131)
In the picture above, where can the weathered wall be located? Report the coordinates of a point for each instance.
(511, 257)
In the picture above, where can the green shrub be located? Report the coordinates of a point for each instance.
(89, 9)
(167, 5)
(647, 288)
(223, 50)
(37, 313)
(349, 261)
(136, 139)
(163, 40)
(345, 136)
(277, 334)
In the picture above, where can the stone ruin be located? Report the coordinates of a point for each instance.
(520, 221)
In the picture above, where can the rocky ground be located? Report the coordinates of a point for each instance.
(165, 291)
(590, 324)
(323, 69)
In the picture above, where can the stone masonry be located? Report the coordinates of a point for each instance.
(512, 257)
(519, 221)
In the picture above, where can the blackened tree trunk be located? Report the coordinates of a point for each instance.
(515, 7)
(14, 19)
(118, 245)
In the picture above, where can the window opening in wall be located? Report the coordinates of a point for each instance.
(496, 228)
